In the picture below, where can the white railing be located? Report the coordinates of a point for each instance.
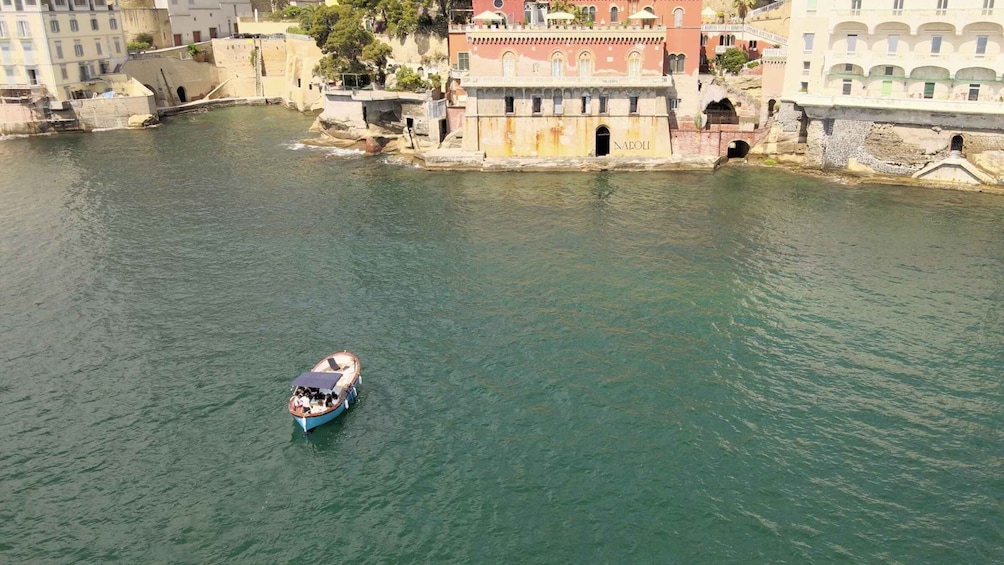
(518, 81)
(747, 29)
(520, 28)
(939, 104)
(764, 9)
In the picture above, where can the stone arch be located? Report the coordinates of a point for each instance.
(957, 143)
(930, 72)
(738, 149)
(976, 73)
(880, 71)
(721, 112)
(985, 26)
(941, 28)
(182, 95)
(842, 69)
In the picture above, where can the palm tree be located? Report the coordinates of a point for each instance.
(742, 7)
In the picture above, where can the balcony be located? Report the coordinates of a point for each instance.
(663, 81)
(959, 18)
(551, 32)
(950, 61)
(941, 105)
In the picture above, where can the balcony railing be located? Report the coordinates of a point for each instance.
(562, 30)
(956, 60)
(555, 82)
(941, 104)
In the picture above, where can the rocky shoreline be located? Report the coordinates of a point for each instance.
(377, 143)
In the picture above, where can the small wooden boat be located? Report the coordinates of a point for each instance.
(325, 391)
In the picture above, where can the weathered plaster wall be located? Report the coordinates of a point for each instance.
(18, 119)
(416, 48)
(302, 55)
(156, 22)
(196, 78)
(106, 113)
(572, 134)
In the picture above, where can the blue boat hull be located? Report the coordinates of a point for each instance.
(310, 422)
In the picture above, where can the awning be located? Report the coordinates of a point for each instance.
(559, 16)
(643, 15)
(488, 16)
(317, 380)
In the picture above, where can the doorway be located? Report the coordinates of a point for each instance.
(602, 141)
(956, 143)
(181, 95)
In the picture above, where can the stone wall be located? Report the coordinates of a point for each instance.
(153, 21)
(165, 75)
(111, 113)
(302, 92)
(20, 119)
(417, 49)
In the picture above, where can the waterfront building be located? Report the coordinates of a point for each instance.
(547, 90)
(194, 21)
(906, 88)
(58, 48)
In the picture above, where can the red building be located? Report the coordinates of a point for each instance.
(681, 20)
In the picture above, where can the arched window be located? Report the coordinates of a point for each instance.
(650, 10)
(613, 14)
(509, 64)
(672, 64)
(590, 13)
(634, 64)
(585, 64)
(557, 65)
(681, 64)
(678, 17)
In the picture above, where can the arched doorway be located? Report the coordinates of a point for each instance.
(738, 149)
(602, 141)
(721, 112)
(771, 107)
(956, 143)
(181, 94)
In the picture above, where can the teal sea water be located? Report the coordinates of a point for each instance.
(738, 367)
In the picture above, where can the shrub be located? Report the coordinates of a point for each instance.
(137, 46)
(143, 38)
(733, 60)
(408, 79)
(193, 49)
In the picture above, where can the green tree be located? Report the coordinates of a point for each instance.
(408, 79)
(375, 57)
(733, 60)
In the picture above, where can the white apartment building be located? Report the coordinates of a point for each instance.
(897, 54)
(193, 21)
(59, 45)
